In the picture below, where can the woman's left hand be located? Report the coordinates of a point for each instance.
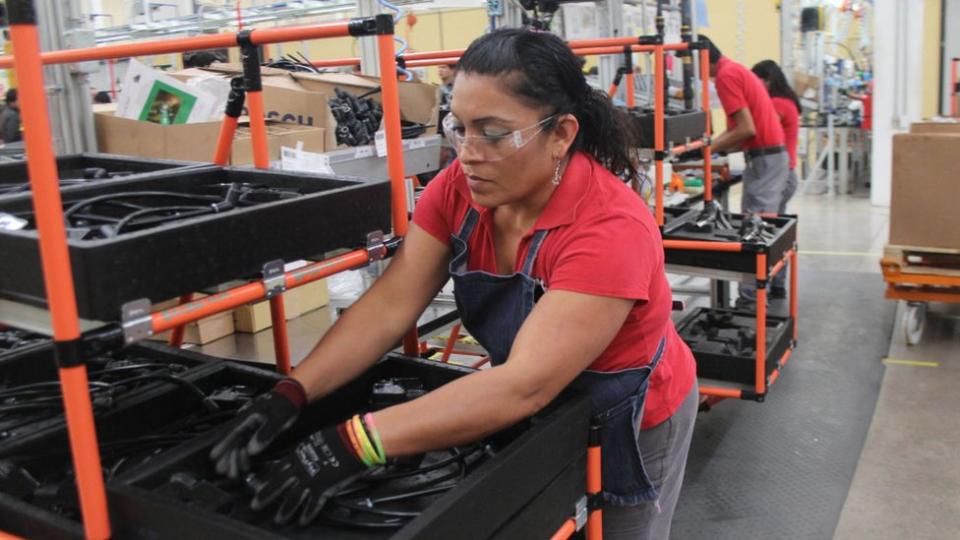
(302, 479)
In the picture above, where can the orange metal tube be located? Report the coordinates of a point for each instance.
(794, 299)
(8, 536)
(761, 348)
(258, 130)
(281, 343)
(58, 276)
(566, 530)
(260, 36)
(451, 341)
(955, 98)
(705, 105)
(398, 182)
(688, 147)
(699, 245)
(251, 292)
(658, 128)
(432, 62)
(612, 91)
(478, 364)
(176, 336)
(431, 55)
(631, 92)
(779, 266)
(225, 140)
(716, 391)
(594, 486)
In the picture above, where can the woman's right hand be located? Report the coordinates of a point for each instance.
(259, 422)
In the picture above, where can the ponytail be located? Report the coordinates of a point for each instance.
(606, 133)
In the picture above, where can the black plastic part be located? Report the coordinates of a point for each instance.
(21, 12)
(72, 171)
(753, 396)
(595, 502)
(381, 24)
(238, 93)
(551, 507)
(784, 238)
(659, 155)
(195, 253)
(677, 127)
(650, 40)
(250, 59)
(595, 435)
(628, 58)
(716, 361)
(68, 353)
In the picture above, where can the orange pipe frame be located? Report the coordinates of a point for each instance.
(955, 101)
(176, 335)
(658, 128)
(260, 36)
(705, 105)
(698, 245)
(566, 530)
(594, 486)
(694, 145)
(258, 130)
(225, 140)
(761, 347)
(281, 342)
(58, 276)
(794, 299)
(717, 391)
(451, 341)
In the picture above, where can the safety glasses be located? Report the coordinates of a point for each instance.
(493, 146)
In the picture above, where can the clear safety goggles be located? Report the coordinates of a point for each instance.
(491, 147)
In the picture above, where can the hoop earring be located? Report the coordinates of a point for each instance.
(556, 174)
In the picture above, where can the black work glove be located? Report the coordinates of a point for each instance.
(306, 477)
(260, 422)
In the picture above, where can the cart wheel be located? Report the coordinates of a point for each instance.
(913, 322)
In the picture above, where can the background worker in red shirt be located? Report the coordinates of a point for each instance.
(753, 127)
(787, 105)
(558, 270)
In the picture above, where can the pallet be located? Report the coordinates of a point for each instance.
(923, 260)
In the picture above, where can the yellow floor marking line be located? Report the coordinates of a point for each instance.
(915, 363)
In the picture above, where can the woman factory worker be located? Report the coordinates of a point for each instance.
(787, 106)
(559, 274)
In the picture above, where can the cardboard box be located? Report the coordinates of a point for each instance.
(935, 126)
(301, 98)
(196, 142)
(925, 191)
(254, 318)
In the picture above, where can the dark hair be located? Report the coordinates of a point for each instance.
(102, 97)
(201, 58)
(715, 53)
(11, 95)
(777, 85)
(541, 70)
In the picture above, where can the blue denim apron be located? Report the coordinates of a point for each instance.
(493, 307)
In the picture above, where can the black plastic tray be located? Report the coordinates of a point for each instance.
(540, 460)
(46, 455)
(72, 167)
(678, 127)
(715, 363)
(745, 261)
(38, 365)
(189, 255)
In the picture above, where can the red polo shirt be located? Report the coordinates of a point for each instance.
(602, 241)
(790, 122)
(738, 87)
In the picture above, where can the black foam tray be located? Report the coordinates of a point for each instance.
(45, 454)
(745, 261)
(72, 167)
(714, 363)
(678, 127)
(189, 255)
(539, 463)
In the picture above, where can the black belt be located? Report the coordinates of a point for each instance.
(757, 152)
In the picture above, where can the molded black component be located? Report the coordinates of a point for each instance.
(678, 127)
(235, 99)
(197, 252)
(21, 12)
(723, 342)
(784, 238)
(82, 169)
(250, 60)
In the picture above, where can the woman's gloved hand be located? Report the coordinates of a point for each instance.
(259, 422)
(302, 479)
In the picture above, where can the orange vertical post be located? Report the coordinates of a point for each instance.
(954, 87)
(176, 335)
(391, 125)
(658, 128)
(594, 482)
(57, 273)
(794, 299)
(761, 348)
(281, 342)
(705, 100)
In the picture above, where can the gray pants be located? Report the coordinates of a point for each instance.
(664, 449)
(788, 190)
(765, 185)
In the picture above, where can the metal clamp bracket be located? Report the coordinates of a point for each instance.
(580, 513)
(274, 281)
(376, 246)
(135, 320)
